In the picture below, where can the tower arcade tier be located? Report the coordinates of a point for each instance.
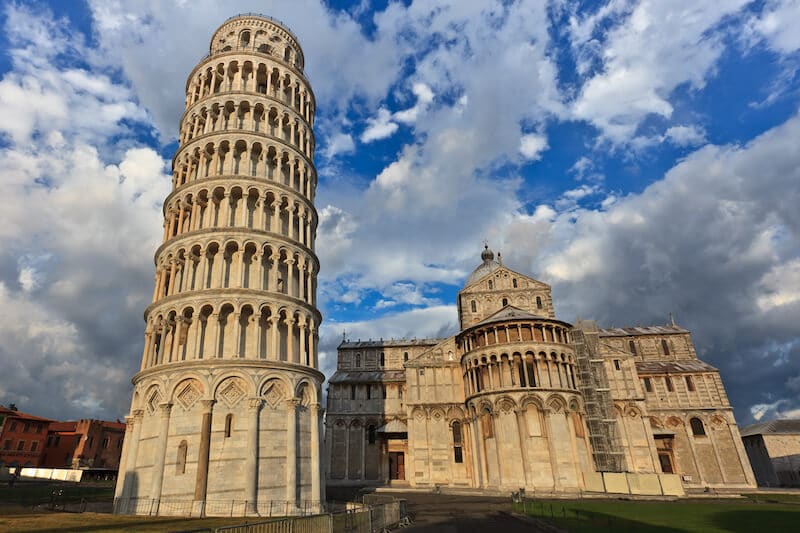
(226, 401)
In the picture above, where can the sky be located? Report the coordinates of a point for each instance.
(639, 156)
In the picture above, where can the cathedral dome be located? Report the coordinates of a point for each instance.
(488, 266)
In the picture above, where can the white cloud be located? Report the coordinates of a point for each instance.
(424, 96)
(532, 145)
(339, 143)
(777, 24)
(652, 48)
(379, 127)
(685, 135)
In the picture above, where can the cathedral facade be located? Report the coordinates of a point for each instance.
(520, 399)
(225, 415)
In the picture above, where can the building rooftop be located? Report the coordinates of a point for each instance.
(673, 367)
(4, 411)
(641, 330)
(371, 343)
(785, 426)
(367, 376)
(509, 312)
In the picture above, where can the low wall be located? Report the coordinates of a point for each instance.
(57, 474)
(635, 484)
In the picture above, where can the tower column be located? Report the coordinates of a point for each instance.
(201, 480)
(251, 459)
(291, 452)
(161, 451)
(316, 494)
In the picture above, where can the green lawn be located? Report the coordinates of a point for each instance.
(33, 492)
(662, 517)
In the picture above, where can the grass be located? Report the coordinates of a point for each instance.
(663, 517)
(17, 518)
(33, 492)
(770, 497)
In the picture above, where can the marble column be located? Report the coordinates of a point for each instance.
(160, 455)
(251, 459)
(201, 481)
(291, 452)
(316, 494)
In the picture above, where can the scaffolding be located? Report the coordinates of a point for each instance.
(600, 421)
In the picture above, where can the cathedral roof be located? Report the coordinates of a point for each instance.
(789, 426)
(509, 312)
(488, 266)
(366, 376)
(379, 343)
(673, 367)
(641, 330)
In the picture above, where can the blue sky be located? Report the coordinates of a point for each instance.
(639, 156)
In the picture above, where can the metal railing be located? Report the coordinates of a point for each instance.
(230, 508)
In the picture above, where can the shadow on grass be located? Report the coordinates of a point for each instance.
(768, 519)
(601, 522)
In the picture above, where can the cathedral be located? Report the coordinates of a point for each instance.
(520, 399)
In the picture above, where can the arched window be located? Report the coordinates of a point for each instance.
(383, 359)
(180, 465)
(505, 302)
(514, 283)
(538, 302)
(697, 427)
(491, 285)
(488, 426)
(458, 456)
(665, 346)
(228, 425)
(245, 39)
(371, 434)
(632, 347)
(690, 384)
(405, 356)
(358, 360)
(473, 306)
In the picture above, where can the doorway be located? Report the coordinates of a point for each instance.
(397, 465)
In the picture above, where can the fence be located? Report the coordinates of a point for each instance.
(231, 508)
(357, 519)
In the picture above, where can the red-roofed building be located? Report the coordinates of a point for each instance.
(84, 444)
(22, 438)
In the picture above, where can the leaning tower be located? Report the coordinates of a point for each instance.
(225, 410)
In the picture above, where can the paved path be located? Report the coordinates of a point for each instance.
(450, 514)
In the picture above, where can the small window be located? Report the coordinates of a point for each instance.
(400, 392)
(668, 382)
(690, 384)
(538, 302)
(632, 347)
(665, 346)
(352, 392)
(371, 434)
(505, 302)
(473, 306)
(49, 440)
(383, 359)
(358, 360)
(697, 427)
(20, 445)
(34, 445)
(105, 443)
(405, 357)
(648, 385)
(514, 283)
(228, 425)
(383, 392)
(7, 444)
(491, 285)
(26, 427)
(369, 391)
(616, 364)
